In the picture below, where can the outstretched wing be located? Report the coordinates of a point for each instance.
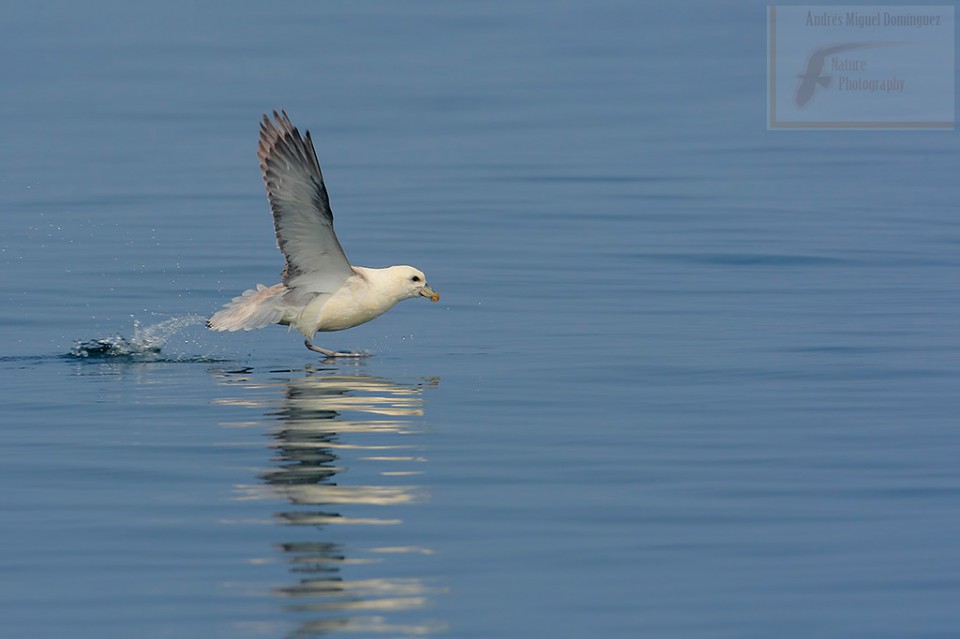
(301, 211)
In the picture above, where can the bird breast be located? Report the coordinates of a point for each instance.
(353, 304)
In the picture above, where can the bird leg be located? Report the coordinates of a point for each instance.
(328, 353)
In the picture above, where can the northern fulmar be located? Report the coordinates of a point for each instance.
(320, 291)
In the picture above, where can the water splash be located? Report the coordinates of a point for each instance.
(144, 345)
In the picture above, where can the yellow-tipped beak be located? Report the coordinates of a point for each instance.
(426, 291)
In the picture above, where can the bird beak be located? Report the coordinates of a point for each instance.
(426, 291)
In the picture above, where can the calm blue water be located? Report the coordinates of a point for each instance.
(687, 378)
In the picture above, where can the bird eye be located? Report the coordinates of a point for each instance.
(415, 278)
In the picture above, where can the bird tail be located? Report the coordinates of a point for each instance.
(254, 308)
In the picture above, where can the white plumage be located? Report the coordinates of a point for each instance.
(320, 290)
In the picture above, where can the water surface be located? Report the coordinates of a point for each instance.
(687, 378)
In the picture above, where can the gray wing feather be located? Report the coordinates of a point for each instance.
(301, 210)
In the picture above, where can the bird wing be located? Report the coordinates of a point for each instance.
(315, 262)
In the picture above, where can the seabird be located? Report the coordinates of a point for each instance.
(319, 290)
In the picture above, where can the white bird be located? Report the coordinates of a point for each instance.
(320, 291)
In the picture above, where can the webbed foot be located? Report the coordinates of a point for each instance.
(328, 353)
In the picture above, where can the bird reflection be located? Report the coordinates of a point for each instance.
(324, 423)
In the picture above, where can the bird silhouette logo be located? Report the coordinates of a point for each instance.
(814, 76)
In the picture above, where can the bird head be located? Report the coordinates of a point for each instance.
(413, 283)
